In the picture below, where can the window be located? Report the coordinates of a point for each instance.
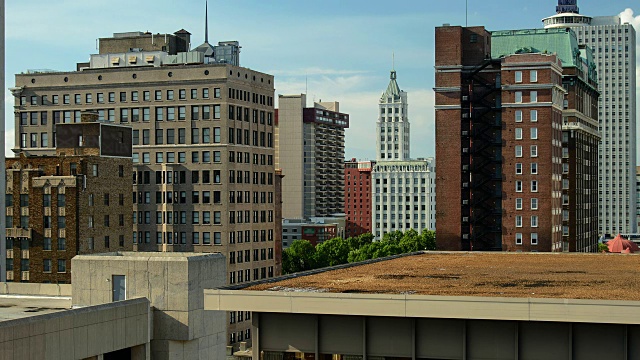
(518, 238)
(518, 151)
(518, 168)
(534, 133)
(534, 96)
(518, 76)
(518, 96)
(534, 238)
(533, 76)
(216, 93)
(518, 220)
(62, 244)
(534, 203)
(534, 186)
(46, 265)
(534, 168)
(534, 115)
(518, 133)
(205, 93)
(518, 203)
(534, 221)
(216, 111)
(518, 186)
(534, 151)
(518, 115)
(62, 266)
(169, 94)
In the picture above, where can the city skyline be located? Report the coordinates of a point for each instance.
(342, 69)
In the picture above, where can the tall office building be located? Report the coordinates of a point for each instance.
(310, 152)
(357, 197)
(403, 195)
(507, 113)
(203, 148)
(614, 47)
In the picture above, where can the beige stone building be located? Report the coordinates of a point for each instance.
(310, 152)
(73, 202)
(203, 147)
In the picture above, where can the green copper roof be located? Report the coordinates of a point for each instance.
(393, 90)
(561, 42)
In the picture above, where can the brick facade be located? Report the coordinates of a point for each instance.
(357, 196)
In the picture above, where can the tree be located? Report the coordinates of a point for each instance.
(359, 241)
(300, 256)
(332, 252)
(428, 239)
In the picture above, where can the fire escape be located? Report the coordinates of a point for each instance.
(481, 158)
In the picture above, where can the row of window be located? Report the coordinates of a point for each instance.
(533, 151)
(196, 237)
(245, 275)
(46, 265)
(533, 76)
(173, 137)
(533, 223)
(61, 244)
(237, 257)
(534, 204)
(534, 186)
(241, 316)
(533, 237)
(240, 337)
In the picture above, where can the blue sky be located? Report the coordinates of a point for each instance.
(342, 47)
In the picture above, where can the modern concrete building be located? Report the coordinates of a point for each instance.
(473, 306)
(357, 197)
(614, 49)
(310, 152)
(203, 146)
(580, 135)
(121, 306)
(507, 103)
(73, 202)
(3, 250)
(403, 190)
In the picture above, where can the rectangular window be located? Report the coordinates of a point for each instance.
(534, 221)
(534, 115)
(518, 203)
(518, 220)
(518, 238)
(159, 114)
(534, 186)
(518, 96)
(518, 186)
(518, 168)
(206, 110)
(518, 115)
(534, 96)
(534, 133)
(534, 151)
(518, 151)
(182, 113)
(534, 238)
(534, 168)
(534, 203)
(518, 76)
(62, 266)
(216, 111)
(533, 76)
(518, 133)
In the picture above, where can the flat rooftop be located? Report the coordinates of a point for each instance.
(519, 275)
(17, 307)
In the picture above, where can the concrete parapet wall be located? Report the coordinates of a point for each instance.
(13, 288)
(80, 333)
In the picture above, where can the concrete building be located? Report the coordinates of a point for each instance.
(614, 49)
(72, 203)
(580, 135)
(357, 197)
(508, 103)
(403, 190)
(310, 152)
(203, 148)
(3, 250)
(367, 311)
(121, 306)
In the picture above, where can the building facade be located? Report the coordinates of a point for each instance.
(580, 136)
(403, 194)
(310, 152)
(3, 250)
(74, 202)
(357, 197)
(522, 178)
(203, 150)
(614, 49)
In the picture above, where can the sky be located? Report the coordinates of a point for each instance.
(334, 50)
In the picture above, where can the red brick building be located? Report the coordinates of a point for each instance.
(500, 103)
(357, 197)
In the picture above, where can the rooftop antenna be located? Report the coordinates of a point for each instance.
(206, 21)
(306, 84)
(466, 14)
(393, 60)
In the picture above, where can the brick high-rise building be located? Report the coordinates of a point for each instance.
(614, 50)
(357, 197)
(203, 149)
(73, 202)
(503, 101)
(310, 152)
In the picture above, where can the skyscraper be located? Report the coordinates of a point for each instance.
(614, 46)
(403, 195)
(310, 152)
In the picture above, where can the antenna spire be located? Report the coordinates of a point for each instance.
(393, 60)
(206, 21)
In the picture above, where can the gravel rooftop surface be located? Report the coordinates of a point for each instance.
(531, 275)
